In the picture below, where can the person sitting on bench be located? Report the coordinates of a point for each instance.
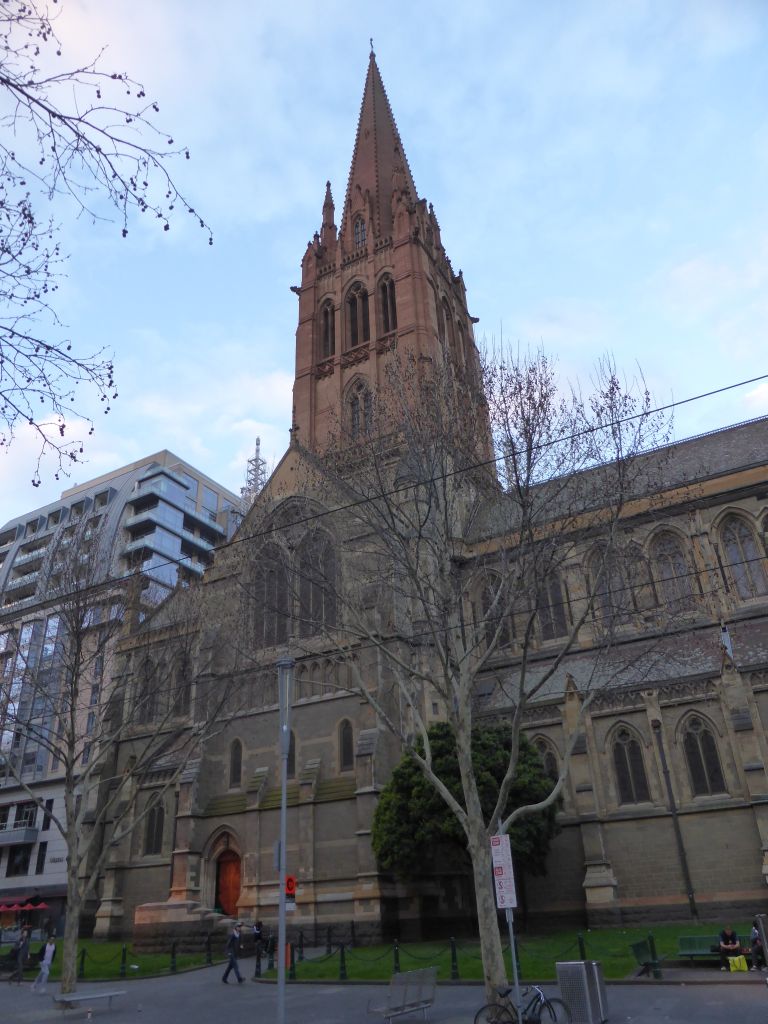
(729, 946)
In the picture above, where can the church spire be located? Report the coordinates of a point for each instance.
(379, 167)
(328, 230)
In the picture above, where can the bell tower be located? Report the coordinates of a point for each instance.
(380, 281)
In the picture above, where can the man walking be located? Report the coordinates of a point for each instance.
(232, 950)
(48, 953)
(22, 952)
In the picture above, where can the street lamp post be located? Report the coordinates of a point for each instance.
(284, 686)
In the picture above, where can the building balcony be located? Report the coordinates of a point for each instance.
(198, 542)
(23, 581)
(22, 602)
(29, 556)
(16, 836)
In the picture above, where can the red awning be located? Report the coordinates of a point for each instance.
(28, 906)
(4, 909)
(41, 906)
(15, 908)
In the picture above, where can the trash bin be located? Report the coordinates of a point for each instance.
(583, 989)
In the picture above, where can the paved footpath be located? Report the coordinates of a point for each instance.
(198, 997)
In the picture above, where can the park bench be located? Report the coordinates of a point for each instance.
(704, 947)
(645, 958)
(70, 1000)
(408, 991)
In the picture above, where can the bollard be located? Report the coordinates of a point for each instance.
(454, 961)
(208, 951)
(292, 963)
(328, 949)
(257, 967)
(395, 957)
(81, 969)
(582, 947)
(342, 964)
(271, 953)
(173, 957)
(654, 957)
(301, 946)
(123, 956)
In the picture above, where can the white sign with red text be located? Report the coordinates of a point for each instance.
(503, 874)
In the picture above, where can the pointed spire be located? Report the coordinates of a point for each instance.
(328, 230)
(379, 165)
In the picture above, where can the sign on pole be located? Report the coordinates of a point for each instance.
(503, 874)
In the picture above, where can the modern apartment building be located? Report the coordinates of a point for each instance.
(159, 516)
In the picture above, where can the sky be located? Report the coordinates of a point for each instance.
(598, 170)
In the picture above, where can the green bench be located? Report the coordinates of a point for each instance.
(700, 946)
(647, 958)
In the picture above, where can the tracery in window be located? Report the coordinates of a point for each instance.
(358, 324)
(147, 691)
(271, 597)
(702, 758)
(316, 569)
(387, 304)
(291, 772)
(548, 759)
(631, 780)
(744, 558)
(346, 750)
(359, 410)
(624, 585)
(359, 232)
(153, 830)
(553, 616)
(181, 688)
(327, 330)
(673, 575)
(495, 614)
(235, 764)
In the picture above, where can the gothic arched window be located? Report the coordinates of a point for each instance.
(631, 780)
(291, 772)
(153, 830)
(358, 324)
(387, 304)
(671, 571)
(181, 688)
(358, 230)
(346, 750)
(553, 620)
(147, 690)
(235, 764)
(359, 410)
(494, 614)
(271, 598)
(702, 758)
(548, 759)
(327, 330)
(316, 568)
(745, 561)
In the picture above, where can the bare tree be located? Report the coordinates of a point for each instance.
(67, 715)
(462, 516)
(84, 136)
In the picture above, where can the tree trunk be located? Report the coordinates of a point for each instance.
(71, 928)
(494, 971)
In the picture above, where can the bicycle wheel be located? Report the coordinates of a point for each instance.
(493, 1013)
(553, 1011)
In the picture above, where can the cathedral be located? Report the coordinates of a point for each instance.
(664, 811)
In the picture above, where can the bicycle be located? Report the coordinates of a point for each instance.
(540, 1009)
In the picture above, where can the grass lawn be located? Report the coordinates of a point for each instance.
(538, 955)
(102, 961)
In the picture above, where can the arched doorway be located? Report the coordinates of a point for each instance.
(227, 882)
